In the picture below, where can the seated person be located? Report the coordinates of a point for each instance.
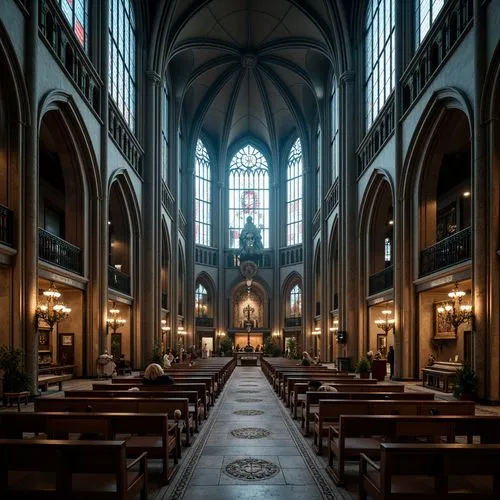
(317, 386)
(154, 375)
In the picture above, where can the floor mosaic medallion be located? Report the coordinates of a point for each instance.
(250, 433)
(251, 469)
(248, 400)
(248, 392)
(248, 412)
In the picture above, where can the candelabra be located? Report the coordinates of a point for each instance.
(386, 324)
(164, 332)
(114, 322)
(456, 313)
(53, 310)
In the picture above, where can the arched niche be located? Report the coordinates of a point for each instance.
(257, 299)
(119, 237)
(292, 300)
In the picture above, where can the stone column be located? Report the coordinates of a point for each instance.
(100, 288)
(483, 337)
(348, 249)
(220, 231)
(190, 243)
(29, 240)
(150, 299)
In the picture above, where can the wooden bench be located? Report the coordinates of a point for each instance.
(440, 375)
(195, 405)
(33, 468)
(45, 380)
(431, 471)
(357, 434)
(329, 411)
(120, 405)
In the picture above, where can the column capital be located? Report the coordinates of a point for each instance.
(347, 76)
(153, 77)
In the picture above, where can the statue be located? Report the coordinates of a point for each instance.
(250, 240)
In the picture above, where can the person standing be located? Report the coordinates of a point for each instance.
(390, 360)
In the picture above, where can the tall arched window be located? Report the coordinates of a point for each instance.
(77, 14)
(295, 302)
(294, 195)
(379, 57)
(334, 108)
(318, 170)
(164, 133)
(122, 46)
(248, 194)
(203, 196)
(201, 301)
(426, 12)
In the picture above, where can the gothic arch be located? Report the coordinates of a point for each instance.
(292, 279)
(333, 271)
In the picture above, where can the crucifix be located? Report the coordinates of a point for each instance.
(248, 310)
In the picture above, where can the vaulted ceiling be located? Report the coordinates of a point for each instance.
(250, 68)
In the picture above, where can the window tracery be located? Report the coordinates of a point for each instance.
(294, 195)
(203, 196)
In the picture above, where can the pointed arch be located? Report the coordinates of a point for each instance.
(292, 297)
(205, 280)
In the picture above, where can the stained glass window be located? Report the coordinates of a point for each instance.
(77, 14)
(295, 302)
(203, 196)
(294, 195)
(379, 57)
(388, 251)
(334, 108)
(248, 194)
(318, 169)
(122, 58)
(426, 12)
(164, 133)
(201, 301)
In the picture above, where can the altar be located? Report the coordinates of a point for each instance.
(247, 356)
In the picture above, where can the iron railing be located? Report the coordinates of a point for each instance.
(118, 281)
(59, 252)
(447, 252)
(6, 226)
(383, 280)
(295, 321)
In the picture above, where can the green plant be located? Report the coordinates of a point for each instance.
(268, 346)
(12, 362)
(292, 348)
(465, 384)
(157, 355)
(226, 344)
(363, 365)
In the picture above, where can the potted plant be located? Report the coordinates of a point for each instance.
(226, 345)
(465, 384)
(363, 368)
(15, 379)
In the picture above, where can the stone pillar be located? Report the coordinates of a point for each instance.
(29, 241)
(150, 299)
(221, 289)
(190, 243)
(482, 336)
(100, 288)
(348, 249)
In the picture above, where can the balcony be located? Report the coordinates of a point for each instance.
(381, 281)
(59, 252)
(118, 281)
(290, 256)
(232, 258)
(205, 255)
(332, 197)
(207, 322)
(295, 321)
(6, 226)
(447, 252)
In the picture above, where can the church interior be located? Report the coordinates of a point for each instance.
(250, 195)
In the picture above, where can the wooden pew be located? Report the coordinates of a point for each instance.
(329, 412)
(431, 471)
(310, 405)
(195, 405)
(119, 405)
(199, 388)
(45, 380)
(34, 468)
(357, 434)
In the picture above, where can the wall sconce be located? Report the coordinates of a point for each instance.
(53, 310)
(181, 330)
(335, 326)
(221, 334)
(456, 313)
(316, 331)
(276, 334)
(114, 322)
(385, 323)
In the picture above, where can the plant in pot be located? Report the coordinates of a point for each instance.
(226, 345)
(15, 379)
(363, 368)
(465, 385)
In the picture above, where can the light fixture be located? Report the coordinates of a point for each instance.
(391, 222)
(316, 331)
(335, 326)
(276, 334)
(181, 331)
(221, 334)
(114, 322)
(53, 310)
(466, 194)
(456, 313)
(386, 324)
(164, 327)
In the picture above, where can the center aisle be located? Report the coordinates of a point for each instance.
(250, 448)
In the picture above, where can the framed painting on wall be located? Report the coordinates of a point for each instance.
(443, 328)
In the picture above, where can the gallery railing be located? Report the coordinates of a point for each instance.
(383, 280)
(118, 281)
(59, 252)
(293, 321)
(290, 256)
(232, 258)
(447, 252)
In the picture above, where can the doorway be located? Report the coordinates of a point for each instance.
(210, 345)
